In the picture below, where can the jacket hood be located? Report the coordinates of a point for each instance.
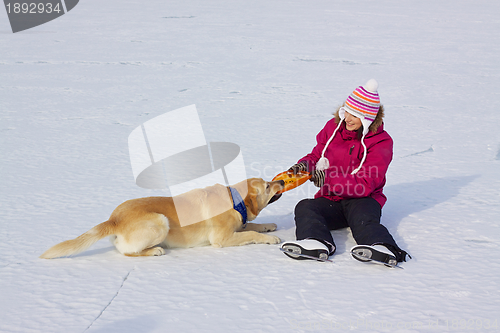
(375, 124)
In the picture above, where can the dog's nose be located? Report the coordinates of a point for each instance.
(282, 183)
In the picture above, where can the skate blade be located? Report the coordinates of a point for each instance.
(289, 251)
(362, 258)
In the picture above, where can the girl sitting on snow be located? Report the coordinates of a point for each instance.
(348, 164)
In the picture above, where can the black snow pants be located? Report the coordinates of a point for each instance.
(314, 218)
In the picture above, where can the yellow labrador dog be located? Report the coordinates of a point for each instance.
(146, 226)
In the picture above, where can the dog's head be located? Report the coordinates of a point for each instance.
(260, 194)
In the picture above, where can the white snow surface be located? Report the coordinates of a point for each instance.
(266, 75)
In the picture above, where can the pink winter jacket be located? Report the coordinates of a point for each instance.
(344, 154)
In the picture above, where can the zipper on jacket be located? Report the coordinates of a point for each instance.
(350, 150)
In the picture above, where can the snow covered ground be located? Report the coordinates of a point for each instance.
(265, 75)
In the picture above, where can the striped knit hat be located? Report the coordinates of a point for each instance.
(363, 103)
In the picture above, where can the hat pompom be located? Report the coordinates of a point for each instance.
(371, 86)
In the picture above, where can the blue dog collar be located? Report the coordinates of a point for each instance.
(239, 204)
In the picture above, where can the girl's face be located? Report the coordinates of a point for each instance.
(352, 123)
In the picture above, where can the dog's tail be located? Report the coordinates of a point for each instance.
(80, 243)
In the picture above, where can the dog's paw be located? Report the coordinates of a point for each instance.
(270, 227)
(157, 251)
(273, 240)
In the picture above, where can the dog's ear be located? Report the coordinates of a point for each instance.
(252, 204)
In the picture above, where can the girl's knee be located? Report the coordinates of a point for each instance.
(309, 205)
(303, 206)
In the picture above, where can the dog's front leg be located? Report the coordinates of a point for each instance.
(244, 238)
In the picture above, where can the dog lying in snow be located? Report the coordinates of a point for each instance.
(146, 226)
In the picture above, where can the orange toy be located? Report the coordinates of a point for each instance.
(291, 180)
